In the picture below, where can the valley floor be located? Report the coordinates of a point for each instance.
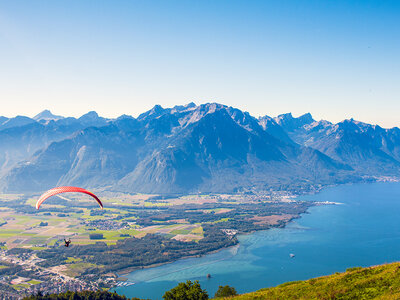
(135, 231)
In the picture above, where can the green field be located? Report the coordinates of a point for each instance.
(33, 282)
(20, 286)
(75, 269)
(73, 260)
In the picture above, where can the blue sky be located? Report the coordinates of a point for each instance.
(335, 59)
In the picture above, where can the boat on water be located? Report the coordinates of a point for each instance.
(292, 255)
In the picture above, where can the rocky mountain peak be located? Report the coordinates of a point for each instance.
(290, 123)
(47, 116)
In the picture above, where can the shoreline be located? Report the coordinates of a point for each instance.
(270, 257)
(129, 270)
(133, 269)
(294, 196)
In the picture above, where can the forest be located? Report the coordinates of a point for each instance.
(136, 252)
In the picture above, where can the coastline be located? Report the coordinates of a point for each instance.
(129, 270)
(264, 258)
(133, 269)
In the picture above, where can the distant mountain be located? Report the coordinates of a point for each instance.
(16, 122)
(190, 149)
(367, 148)
(219, 149)
(2, 120)
(21, 137)
(92, 157)
(46, 116)
(273, 128)
(92, 119)
(289, 123)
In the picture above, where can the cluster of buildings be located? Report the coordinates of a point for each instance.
(46, 282)
(37, 279)
(58, 285)
(107, 225)
(230, 232)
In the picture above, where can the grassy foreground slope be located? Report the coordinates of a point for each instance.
(378, 282)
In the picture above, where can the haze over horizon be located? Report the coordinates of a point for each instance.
(336, 60)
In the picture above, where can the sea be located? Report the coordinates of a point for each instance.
(362, 229)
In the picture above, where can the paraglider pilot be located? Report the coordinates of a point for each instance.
(67, 242)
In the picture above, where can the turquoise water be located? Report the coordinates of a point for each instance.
(363, 231)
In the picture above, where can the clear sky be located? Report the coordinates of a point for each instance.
(335, 59)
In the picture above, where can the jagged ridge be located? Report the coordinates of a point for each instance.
(205, 148)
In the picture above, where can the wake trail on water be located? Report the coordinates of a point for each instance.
(233, 253)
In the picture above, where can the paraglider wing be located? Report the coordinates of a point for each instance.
(65, 189)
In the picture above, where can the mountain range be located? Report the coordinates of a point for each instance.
(192, 149)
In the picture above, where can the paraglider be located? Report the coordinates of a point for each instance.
(65, 189)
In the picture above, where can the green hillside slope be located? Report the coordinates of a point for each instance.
(378, 282)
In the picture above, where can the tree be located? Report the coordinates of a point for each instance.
(96, 236)
(186, 291)
(225, 291)
(83, 295)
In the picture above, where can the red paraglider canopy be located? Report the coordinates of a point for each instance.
(65, 189)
